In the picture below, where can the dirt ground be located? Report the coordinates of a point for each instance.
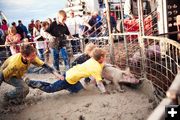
(86, 105)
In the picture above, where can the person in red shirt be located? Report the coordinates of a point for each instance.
(4, 26)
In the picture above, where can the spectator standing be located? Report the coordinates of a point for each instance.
(85, 26)
(98, 23)
(112, 21)
(58, 31)
(30, 27)
(12, 39)
(92, 23)
(40, 45)
(4, 27)
(18, 29)
(23, 27)
(44, 34)
(49, 20)
(73, 23)
(131, 8)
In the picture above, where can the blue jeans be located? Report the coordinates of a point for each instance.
(56, 86)
(64, 55)
(21, 89)
(41, 54)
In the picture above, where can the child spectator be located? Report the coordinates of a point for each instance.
(13, 39)
(4, 27)
(44, 34)
(18, 29)
(40, 45)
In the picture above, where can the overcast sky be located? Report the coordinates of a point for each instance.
(26, 10)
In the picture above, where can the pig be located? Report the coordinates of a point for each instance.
(136, 57)
(116, 76)
(151, 52)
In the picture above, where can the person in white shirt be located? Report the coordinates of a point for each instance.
(130, 9)
(40, 46)
(73, 23)
(45, 35)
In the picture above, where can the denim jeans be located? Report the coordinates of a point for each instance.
(21, 89)
(64, 54)
(41, 54)
(56, 86)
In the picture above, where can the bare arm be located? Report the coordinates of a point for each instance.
(53, 71)
(101, 87)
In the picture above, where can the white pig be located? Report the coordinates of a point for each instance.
(116, 75)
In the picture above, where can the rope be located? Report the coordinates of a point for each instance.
(91, 38)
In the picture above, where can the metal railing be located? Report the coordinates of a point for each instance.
(172, 98)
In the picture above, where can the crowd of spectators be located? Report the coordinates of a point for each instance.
(91, 24)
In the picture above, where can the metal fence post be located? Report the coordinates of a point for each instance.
(111, 41)
(141, 39)
(123, 30)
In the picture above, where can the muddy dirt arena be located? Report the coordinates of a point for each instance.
(86, 105)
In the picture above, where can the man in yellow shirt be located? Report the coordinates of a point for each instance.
(14, 68)
(92, 67)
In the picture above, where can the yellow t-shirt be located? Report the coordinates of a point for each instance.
(89, 68)
(14, 66)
